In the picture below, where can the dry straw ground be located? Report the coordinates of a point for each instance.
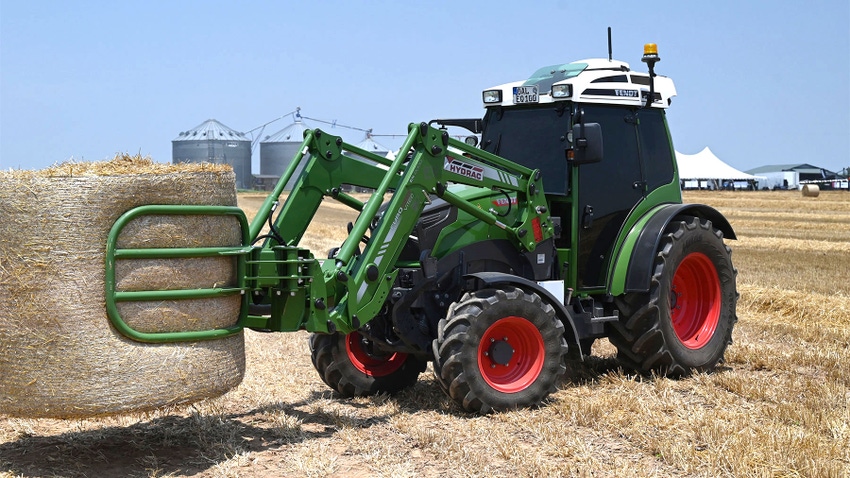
(778, 406)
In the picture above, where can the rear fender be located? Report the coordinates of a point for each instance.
(492, 279)
(633, 269)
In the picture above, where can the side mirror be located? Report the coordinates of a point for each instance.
(587, 141)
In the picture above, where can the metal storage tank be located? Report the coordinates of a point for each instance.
(369, 144)
(278, 149)
(213, 142)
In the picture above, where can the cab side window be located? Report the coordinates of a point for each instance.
(656, 154)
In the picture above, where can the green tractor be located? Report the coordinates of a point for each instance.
(496, 260)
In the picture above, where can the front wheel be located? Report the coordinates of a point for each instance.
(685, 322)
(499, 349)
(351, 365)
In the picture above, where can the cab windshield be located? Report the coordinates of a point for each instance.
(534, 137)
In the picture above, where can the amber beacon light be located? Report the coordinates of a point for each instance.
(650, 53)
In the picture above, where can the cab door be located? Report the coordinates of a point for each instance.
(607, 191)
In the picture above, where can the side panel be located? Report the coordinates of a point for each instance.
(607, 192)
(658, 183)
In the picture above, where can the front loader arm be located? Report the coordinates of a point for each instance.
(344, 293)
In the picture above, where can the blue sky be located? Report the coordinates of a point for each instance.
(758, 82)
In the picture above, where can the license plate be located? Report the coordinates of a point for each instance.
(525, 94)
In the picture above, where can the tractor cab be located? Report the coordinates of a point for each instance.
(601, 144)
(531, 121)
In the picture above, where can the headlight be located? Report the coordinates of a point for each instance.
(562, 91)
(492, 96)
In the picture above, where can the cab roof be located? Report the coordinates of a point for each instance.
(593, 80)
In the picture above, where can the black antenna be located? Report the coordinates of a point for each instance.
(610, 57)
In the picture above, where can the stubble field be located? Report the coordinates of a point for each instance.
(778, 406)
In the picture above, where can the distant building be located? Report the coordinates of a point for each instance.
(793, 176)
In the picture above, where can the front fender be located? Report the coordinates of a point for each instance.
(633, 268)
(490, 279)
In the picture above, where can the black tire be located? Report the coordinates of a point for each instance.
(347, 364)
(480, 370)
(685, 322)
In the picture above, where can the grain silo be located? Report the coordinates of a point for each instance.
(278, 150)
(372, 146)
(213, 142)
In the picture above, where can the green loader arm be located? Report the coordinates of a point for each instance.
(291, 289)
(344, 293)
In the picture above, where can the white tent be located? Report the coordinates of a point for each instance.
(705, 170)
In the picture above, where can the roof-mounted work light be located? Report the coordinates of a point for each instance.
(562, 91)
(492, 96)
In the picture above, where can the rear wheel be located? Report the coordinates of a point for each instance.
(351, 365)
(499, 349)
(685, 322)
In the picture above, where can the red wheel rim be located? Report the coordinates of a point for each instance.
(368, 362)
(695, 300)
(525, 357)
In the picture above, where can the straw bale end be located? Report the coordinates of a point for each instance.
(60, 356)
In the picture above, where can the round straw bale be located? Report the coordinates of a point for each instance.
(811, 190)
(60, 356)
